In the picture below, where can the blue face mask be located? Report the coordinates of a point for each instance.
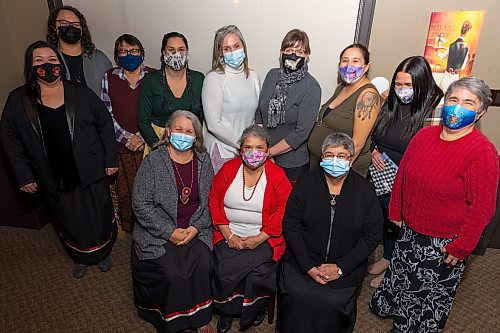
(181, 142)
(234, 59)
(457, 117)
(130, 62)
(335, 167)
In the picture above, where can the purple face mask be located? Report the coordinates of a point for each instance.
(254, 158)
(350, 74)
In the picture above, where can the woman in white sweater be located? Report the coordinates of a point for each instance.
(230, 96)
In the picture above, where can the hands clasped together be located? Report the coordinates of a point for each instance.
(324, 273)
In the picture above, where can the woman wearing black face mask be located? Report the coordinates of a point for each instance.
(67, 31)
(288, 105)
(59, 139)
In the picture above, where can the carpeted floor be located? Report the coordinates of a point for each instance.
(38, 293)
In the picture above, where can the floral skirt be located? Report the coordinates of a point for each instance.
(418, 288)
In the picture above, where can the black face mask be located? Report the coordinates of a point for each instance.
(48, 72)
(69, 34)
(292, 62)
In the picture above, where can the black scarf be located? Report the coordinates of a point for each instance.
(276, 109)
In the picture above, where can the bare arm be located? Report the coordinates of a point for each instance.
(365, 115)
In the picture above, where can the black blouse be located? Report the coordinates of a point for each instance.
(58, 147)
(75, 67)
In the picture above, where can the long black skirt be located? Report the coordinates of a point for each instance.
(244, 280)
(173, 292)
(85, 222)
(307, 306)
(418, 288)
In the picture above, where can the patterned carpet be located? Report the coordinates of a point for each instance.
(38, 293)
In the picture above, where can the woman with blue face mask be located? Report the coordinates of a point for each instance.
(443, 196)
(352, 109)
(332, 223)
(121, 87)
(413, 96)
(171, 255)
(230, 95)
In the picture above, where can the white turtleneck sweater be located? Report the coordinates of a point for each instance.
(229, 104)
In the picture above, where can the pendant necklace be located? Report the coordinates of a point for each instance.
(186, 191)
(255, 186)
(333, 202)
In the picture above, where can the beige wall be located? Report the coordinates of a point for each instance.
(21, 22)
(400, 28)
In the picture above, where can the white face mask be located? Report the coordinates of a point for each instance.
(405, 95)
(175, 61)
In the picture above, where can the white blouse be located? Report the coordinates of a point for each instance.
(245, 217)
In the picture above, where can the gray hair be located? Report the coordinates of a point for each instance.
(218, 54)
(476, 86)
(255, 131)
(199, 144)
(338, 140)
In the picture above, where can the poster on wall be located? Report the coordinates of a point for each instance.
(451, 46)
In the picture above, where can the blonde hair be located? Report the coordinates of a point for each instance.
(218, 55)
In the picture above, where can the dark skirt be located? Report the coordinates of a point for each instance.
(307, 306)
(129, 164)
(85, 222)
(244, 280)
(173, 292)
(418, 288)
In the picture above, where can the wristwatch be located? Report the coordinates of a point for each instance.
(339, 271)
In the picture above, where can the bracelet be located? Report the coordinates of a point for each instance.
(232, 234)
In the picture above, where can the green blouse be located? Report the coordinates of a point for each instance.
(152, 109)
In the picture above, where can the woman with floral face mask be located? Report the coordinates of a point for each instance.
(59, 138)
(174, 87)
(67, 31)
(352, 109)
(332, 223)
(171, 257)
(412, 98)
(230, 95)
(443, 197)
(288, 105)
(247, 202)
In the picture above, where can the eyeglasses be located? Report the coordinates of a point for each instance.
(299, 52)
(340, 156)
(64, 23)
(134, 52)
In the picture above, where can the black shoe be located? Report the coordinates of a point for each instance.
(224, 324)
(79, 270)
(260, 317)
(106, 264)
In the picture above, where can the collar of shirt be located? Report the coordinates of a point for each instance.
(121, 74)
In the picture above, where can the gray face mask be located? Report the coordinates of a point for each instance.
(175, 61)
(405, 95)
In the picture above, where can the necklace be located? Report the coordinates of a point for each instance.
(255, 186)
(186, 191)
(333, 202)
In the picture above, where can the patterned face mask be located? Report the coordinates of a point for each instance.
(176, 60)
(457, 117)
(405, 95)
(48, 72)
(254, 158)
(350, 74)
(292, 62)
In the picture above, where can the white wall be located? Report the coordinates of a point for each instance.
(329, 24)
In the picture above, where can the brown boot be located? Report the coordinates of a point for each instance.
(378, 267)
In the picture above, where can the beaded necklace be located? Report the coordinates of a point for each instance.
(255, 186)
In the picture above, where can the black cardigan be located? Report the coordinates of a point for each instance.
(91, 130)
(357, 226)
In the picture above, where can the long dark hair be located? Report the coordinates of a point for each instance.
(52, 37)
(426, 96)
(30, 78)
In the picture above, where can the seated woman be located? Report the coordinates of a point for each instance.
(247, 202)
(171, 255)
(332, 223)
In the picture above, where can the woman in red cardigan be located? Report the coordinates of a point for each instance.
(247, 202)
(444, 195)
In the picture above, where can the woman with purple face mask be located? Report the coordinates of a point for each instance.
(247, 201)
(352, 109)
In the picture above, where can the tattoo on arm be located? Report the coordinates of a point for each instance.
(369, 100)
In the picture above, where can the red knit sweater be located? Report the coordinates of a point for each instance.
(447, 188)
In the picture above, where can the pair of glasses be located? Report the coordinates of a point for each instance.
(340, 156)
(299, 52)
(64, 23)
(134, 52)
